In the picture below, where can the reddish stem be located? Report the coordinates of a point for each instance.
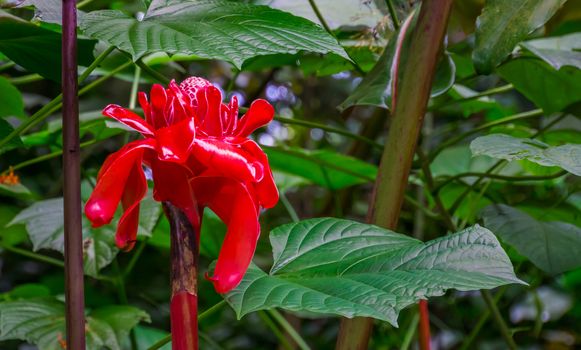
(184, 272)
(74, 275)
(424, 326)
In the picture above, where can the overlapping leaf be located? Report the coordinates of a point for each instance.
(334, 266)
(554, 247)
(507, 147)
(222, 30)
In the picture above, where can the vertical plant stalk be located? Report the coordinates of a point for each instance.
(74, 276)
(414, 83)
(424, 325)
(184, 284)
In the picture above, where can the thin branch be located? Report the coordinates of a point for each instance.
(392, 14)
(498, 319)
(500, 177)
(289, 329)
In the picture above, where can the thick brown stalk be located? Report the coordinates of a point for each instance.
(415, 77)
(74, 276)
(184, 284)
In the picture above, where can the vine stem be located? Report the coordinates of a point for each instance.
(73, 243)
(487, 296)
(184, 285)
(413, 92)
(392, 14)
(289, 329)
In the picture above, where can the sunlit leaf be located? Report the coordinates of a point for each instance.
(11, 104)
(223, 30)
(334, 266)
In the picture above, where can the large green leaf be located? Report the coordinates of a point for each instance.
(550, 89)
(554, 247)
(222, 30)
(376, 88)
(325, 168)
(42, 322)
(503, 24)
(38, 49)
(49, 11)
(44, 223)
(557, 51)
(507, 147)
(334, 266)
(10, 100)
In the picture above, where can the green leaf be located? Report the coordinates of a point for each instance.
(11, 104)
(5, 130)
(557, 51)
(503, 24)
(550, 89)
(490, 107)
(325, 168)
(44, 223)
(42, 322)
(223, 30)
(27, 291)
(147, 336)
(13, 235)
(510, 148)
(49, 11)
(377, 87)
(334, 266)
(554, 247)
(37, 49)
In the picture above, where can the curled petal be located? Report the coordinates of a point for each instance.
(135, 190)
(175, 142)
(157, 106)
(128, 118)
(227, 159)
(144, 103)
(232, 202)
(111, 182)
(265, 188)
(259, 114)
(211, 99)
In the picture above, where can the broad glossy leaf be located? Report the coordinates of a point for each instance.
(503, 24)
(557, 51)
(5, 130)
(49, 11)
(325, 168)
(222, 30)
(554, 247)
(506, 147)
(44, 223)
(38, 49)
(42, 322)
(11, 104)
(550, 89)
(376, 88)
(334, 266)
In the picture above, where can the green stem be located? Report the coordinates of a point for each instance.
(33, 255)
(275, 330)
(25, 79)
(498, 319)
(135, 258)
(392, 14)
(160, 343)
(84, 3)
(493, 91)
(409, 334)
(6, 66)
(309, 124)
(289, 329)
(48, 156)
(56, 103)
(134, 88)
(505, 120)
(500, 177)
(289, 208)
(152, 72)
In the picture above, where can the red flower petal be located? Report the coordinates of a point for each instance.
(128, 118)
(102, 204)
(232, 202)
(210, 110)
(157, 106)
(227, 159)
(175, 142)
(135, 190)
(259, 114)
(266, 188)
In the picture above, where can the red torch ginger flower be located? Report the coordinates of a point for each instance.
(200, 156)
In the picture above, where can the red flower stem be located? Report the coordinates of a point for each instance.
(74, 276)
(424, 325)
(415, 74)
(184, 272)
